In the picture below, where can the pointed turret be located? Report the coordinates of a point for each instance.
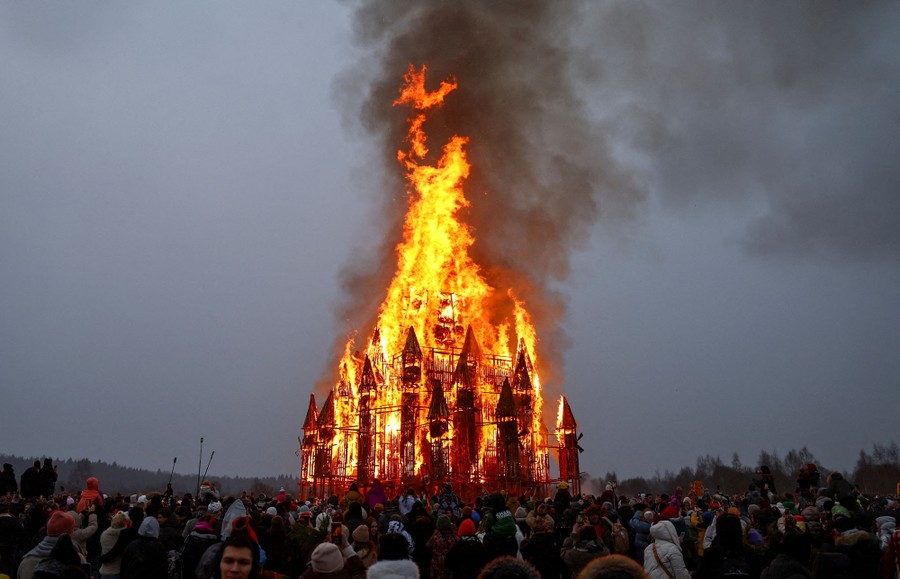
(326, 418)
(412, 359)
(566, 433)
(506, 405)
(524, 368)
(468, 360)
(438, 413)
(412, 352)
(367, 381)
(471, 347)
(438, 409)
(310, 424)
(566, 418)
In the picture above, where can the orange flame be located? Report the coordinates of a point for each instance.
(437, 292)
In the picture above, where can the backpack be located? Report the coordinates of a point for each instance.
(735, 568)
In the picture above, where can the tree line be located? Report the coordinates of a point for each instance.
(115, 478)
(875, 473)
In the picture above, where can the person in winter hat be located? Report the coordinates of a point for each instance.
(396, 527)
(64, 562)
(376, 495)
(401, 569)
(641, 523)
(59, 524)
(335, 561)
(448, 501)
(500, 528)
(613, 566)
(363, 545)
(542, 549)
(84, 530)
(439, 544)
(146, 557)
(509, 567)
(582, 547)
(663, 558)
(108, 540)
(90, 495)
(201, 537)
(467, 557)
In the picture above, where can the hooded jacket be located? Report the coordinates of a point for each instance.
(146, 557)
(90, 494)
(667, 549)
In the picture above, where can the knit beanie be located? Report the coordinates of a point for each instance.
(327, 558)
(839, 511)
(361, 534)
(118, 521)
(670, 512)
(755, 538)
(443, 523)
(521, 514)
(404, 569)
(60, 523)
(466, 528)
(149, 528)
(272, 511)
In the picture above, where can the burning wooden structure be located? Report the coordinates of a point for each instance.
(439, 393)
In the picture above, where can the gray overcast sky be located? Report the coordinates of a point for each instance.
(188, 189)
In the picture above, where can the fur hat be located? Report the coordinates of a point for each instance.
(327, 558)
(613, 566)
(443, 523)
(361, 534)
(60, 523)
(510, 567)
(403, 569)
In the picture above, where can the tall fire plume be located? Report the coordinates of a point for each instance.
(442, 391)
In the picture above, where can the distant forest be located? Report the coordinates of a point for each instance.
(875, 473)
(115, 478)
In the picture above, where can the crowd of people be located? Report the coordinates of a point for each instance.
(819, 531)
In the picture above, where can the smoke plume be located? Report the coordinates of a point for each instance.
(577, 112)
(542, 171)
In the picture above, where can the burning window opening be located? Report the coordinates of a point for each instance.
(457, 406)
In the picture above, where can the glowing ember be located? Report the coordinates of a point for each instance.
(440, 393)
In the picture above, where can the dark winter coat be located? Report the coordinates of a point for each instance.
(542, 551)
(145, 558)
(466, 558)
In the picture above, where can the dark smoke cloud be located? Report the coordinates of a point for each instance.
(542, 170)
(788, 109)
(578, 111)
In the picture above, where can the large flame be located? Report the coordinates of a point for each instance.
(439, 293)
